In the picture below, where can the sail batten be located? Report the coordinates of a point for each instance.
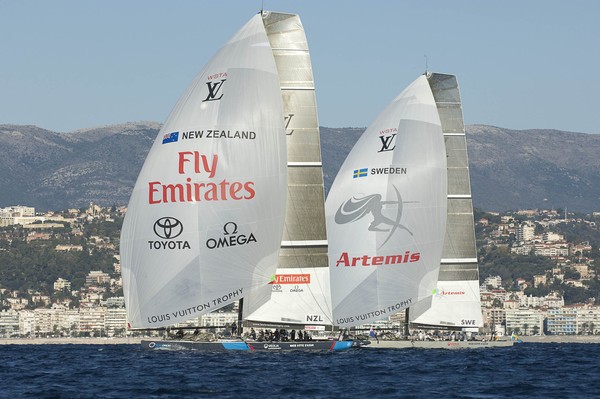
(459, 260)
(305, 164)
(306, 243)
(297, 88)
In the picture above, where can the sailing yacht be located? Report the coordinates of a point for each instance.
(405, 190)
(227, 177)
(455, 304)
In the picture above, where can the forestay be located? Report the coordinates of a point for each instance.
(204, 224)
(386, 212)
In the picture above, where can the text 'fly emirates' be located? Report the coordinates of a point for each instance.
(192, 162)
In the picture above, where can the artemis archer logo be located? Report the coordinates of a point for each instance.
(356, 208)
(213, 90)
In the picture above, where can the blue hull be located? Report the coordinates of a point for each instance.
(246, 346)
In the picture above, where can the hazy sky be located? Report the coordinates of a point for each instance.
(71, 64)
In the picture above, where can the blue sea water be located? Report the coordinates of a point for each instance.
(125, 371)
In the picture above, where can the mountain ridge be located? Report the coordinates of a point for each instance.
(510, 169)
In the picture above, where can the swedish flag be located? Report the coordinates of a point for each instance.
(360, 173)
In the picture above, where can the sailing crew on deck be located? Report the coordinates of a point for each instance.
(373, 334)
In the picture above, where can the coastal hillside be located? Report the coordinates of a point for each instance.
(510, 169)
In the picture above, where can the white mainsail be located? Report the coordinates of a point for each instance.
(204, 221)
(456, 300)
(300, 294)
(386, 212)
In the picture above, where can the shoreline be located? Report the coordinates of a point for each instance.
(561, 339)
(555, 339)
(72, 341)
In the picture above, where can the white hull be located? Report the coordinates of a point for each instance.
(403, 344)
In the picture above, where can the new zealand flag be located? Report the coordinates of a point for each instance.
(170, 137)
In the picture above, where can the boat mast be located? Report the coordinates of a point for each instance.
(240, 324)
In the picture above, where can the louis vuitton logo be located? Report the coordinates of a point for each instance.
(386, 143)
(213, 90)
(287, 120)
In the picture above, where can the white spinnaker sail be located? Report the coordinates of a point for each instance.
(204, 222)
(300, 289)
(386, 212)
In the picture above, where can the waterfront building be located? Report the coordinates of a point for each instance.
(9, 323)
(68, 321)
(588, 319)
(91, 320)
(398, 320)
(27, 323)
(115, 321)
(562, 321)
(524, 321)
(218, 319)
(46, 321)
(496, 319)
